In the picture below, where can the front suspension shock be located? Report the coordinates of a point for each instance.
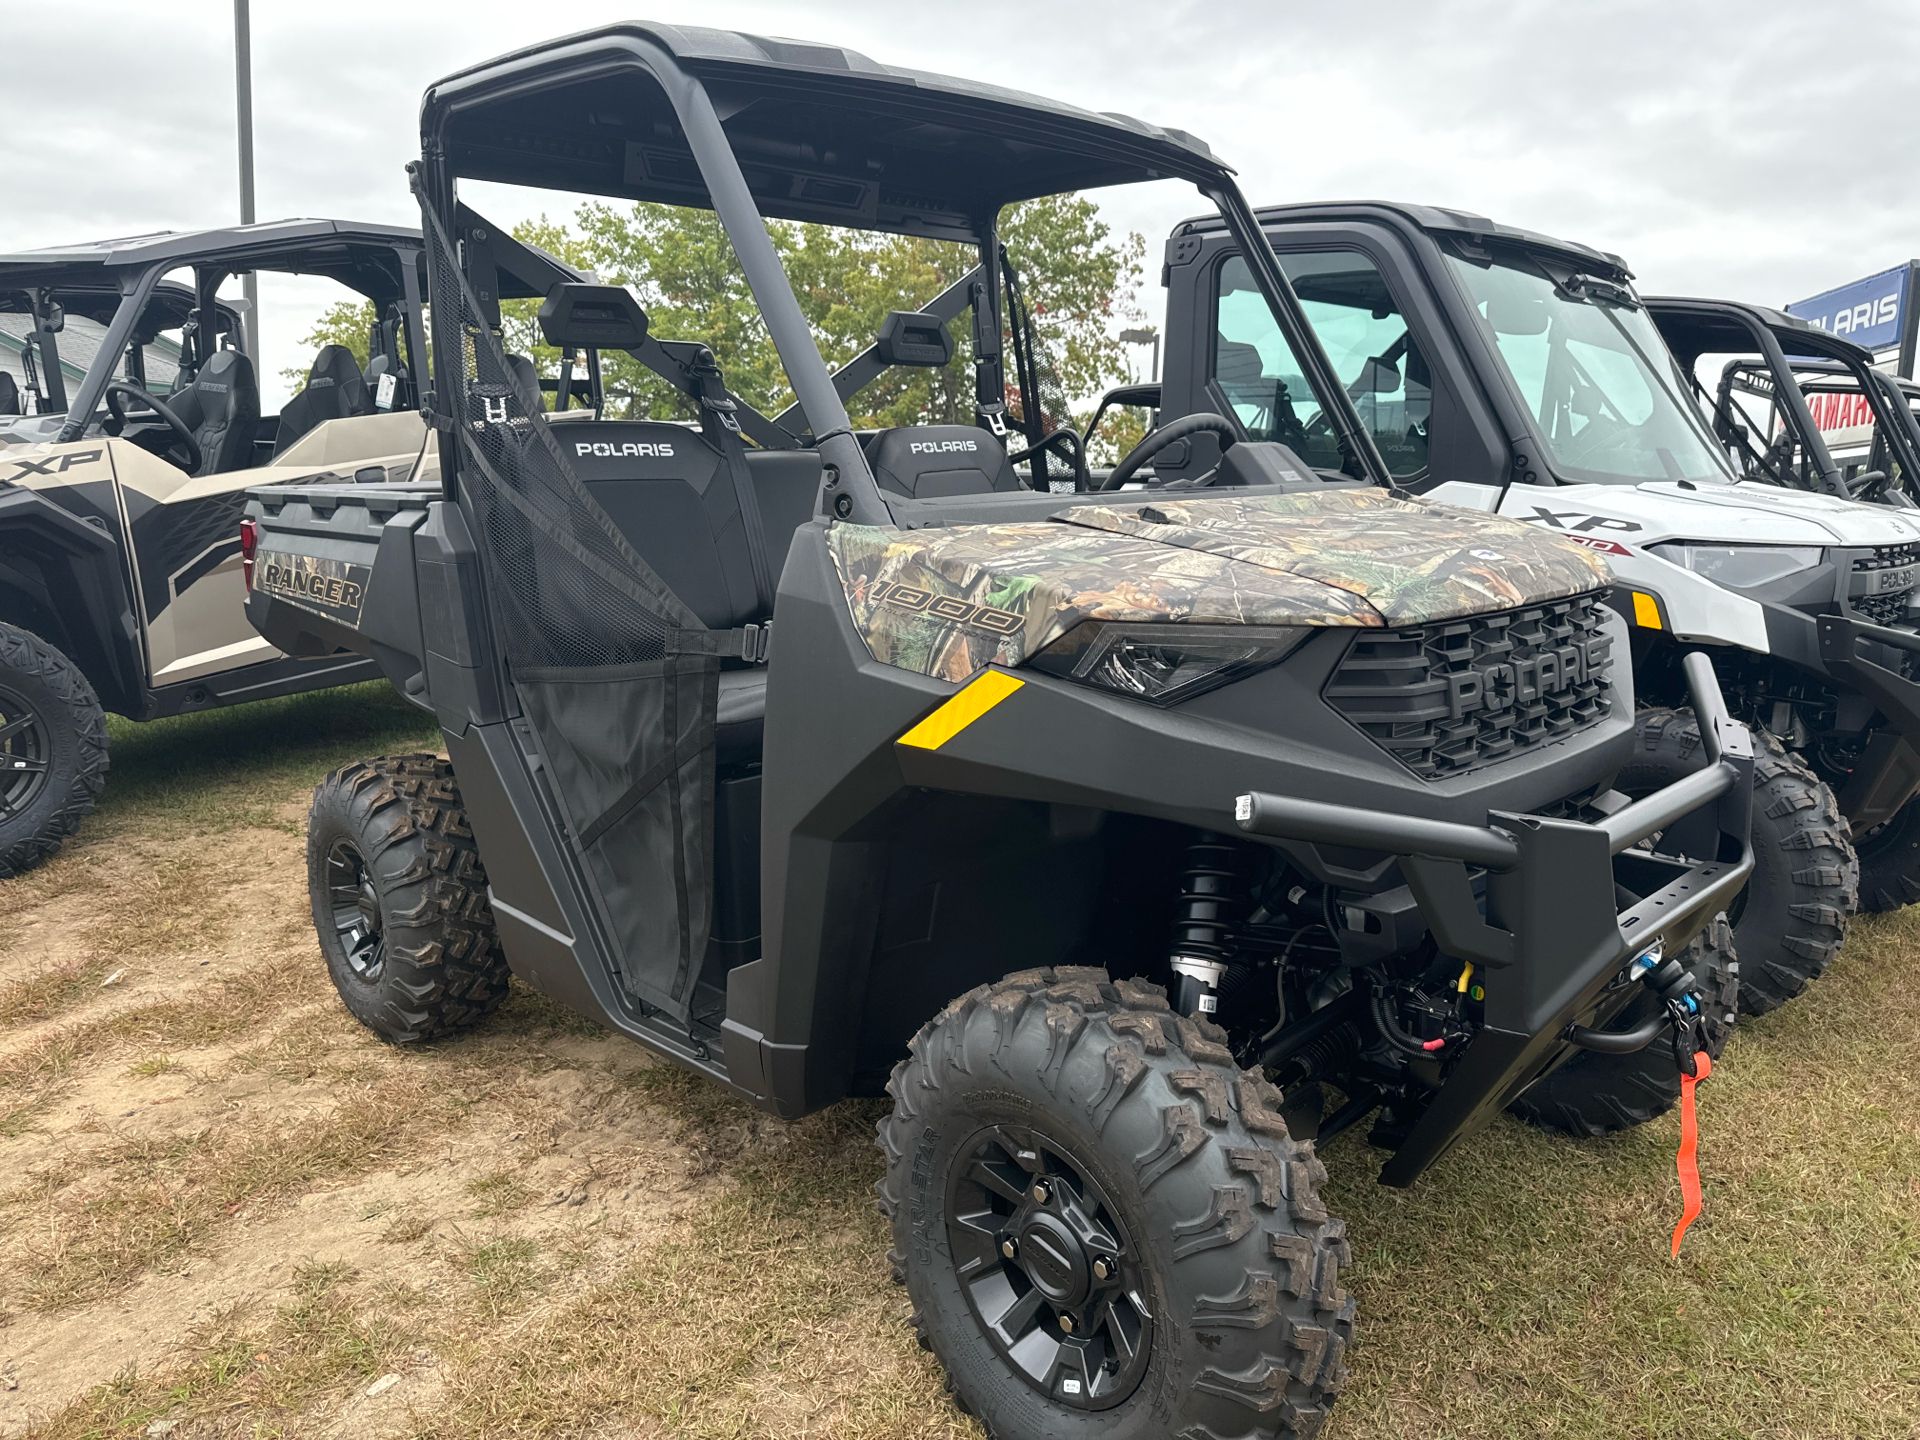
(1204, 918)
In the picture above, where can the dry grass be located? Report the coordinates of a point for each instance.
(1521, 1289)
(167, 1197)
(46, 993)
(252, 1376)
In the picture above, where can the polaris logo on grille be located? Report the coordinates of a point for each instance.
(1526, 679)
(1448, 698)
(940, 447)
(607, 450)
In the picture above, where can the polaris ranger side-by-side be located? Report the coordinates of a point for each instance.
(1510, 371)
(121, 487)
(1101, 831)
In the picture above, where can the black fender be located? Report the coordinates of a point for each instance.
(65, 579)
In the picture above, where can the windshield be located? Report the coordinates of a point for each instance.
(1612, 407)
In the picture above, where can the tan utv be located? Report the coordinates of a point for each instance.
(130, 428)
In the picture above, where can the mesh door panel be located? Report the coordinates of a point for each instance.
(586, 629)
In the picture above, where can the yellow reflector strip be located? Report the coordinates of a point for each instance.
(980, 696)
(1646, 611)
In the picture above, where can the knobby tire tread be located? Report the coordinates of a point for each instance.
(444, 969)
(1218, 1159)
(1806, 874)
(72, 711)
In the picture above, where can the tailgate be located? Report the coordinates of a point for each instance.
(333, 570)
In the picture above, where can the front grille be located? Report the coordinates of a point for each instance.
(1450, 698)
(1867, 596)
(1881, 609)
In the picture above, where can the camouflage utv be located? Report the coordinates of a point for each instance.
(1105, 832)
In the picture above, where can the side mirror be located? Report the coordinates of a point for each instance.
(908, 337)
(592, 317)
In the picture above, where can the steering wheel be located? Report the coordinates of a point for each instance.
(1068, 439)
(1868, 486)
(182, 436)
(1160, 439)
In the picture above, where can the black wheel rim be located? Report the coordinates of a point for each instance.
(356, 911)
(26, 753)
(1049, 1268)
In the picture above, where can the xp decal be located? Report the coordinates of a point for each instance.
(52, 465)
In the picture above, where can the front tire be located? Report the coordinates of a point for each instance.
(1102, 1223)
(1789, 921)
(400, 899)
(53, 749)
(1597, 1094)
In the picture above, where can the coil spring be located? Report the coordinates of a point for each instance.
(1209, 903)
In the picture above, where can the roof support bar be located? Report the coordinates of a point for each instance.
(1278, 293)
(859, 497)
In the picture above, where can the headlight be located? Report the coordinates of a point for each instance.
(1164, 663)
(1742, 566)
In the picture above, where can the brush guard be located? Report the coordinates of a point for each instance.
(1551, 939)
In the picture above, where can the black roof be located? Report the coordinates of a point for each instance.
(1695, 327)
(336, 248)
(822, 133)
(1439, 220)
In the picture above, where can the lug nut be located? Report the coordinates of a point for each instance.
(1039, 1192)
(1100, 1271)
(1007, 1248)
(1066, 1323)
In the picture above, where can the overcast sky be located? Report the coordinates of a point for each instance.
(1761, 151)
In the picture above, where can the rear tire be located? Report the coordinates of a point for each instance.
(53, 757)
(1890, 861)
(1789, 921)
(400, 899)
(1225, 1265)
(1596, 1094)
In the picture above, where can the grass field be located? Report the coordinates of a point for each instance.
(225, 1205)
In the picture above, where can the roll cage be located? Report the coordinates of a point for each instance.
(1791, 361)
(119, 285)
(757, 128)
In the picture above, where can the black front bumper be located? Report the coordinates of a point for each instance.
(1551, 938)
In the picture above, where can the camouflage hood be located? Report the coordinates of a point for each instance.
(945, 602)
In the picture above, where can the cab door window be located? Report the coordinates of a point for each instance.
(1358, 324)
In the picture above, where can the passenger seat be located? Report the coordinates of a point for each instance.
(925, 462)
(334, 391)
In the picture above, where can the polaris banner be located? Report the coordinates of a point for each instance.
(1866, 312)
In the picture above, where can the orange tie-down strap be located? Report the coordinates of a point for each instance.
(1687, 1162)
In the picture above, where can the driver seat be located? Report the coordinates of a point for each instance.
(9, 394)
(222, 409)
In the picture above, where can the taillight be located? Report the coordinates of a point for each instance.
(249, 543)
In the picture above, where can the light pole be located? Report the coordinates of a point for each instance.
(1147, 336)
(243, 106)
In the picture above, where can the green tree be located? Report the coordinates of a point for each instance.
(345, 322)
(1078, 282)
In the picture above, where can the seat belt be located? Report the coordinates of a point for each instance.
(711, 392)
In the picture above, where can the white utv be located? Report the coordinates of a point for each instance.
(130, 429)
(1513, 372)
